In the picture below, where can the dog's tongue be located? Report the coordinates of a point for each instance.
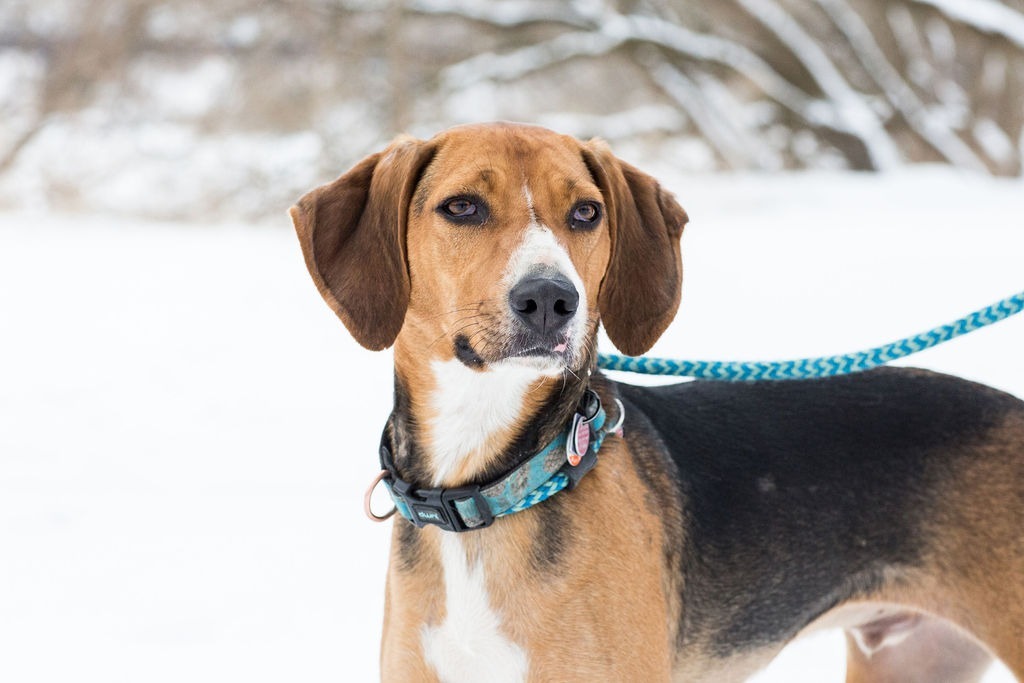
(560, 347)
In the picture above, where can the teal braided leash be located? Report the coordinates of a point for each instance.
(823, 366)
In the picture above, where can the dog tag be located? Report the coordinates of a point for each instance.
(579, 440)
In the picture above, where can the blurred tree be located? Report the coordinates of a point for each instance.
(734, 84)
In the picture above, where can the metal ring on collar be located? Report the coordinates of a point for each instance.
(369, 493)
(622, 417)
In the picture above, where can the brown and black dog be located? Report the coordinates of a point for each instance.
(729, 518)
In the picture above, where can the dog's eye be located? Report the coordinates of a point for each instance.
(585, 215)
(460, 207)
(464, 210)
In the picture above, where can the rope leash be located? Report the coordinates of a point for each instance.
(822, 366)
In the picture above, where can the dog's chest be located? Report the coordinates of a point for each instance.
(469, 409)
(469, 644)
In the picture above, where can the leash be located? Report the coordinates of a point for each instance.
(821, 366)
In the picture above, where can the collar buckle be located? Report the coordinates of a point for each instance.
(438, 506)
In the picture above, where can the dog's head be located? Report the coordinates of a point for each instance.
(496, 244)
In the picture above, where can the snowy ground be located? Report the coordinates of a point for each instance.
(186, 430)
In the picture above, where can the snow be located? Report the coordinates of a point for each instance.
(994, 140)
(186, 430)
(130, 156)
(244, 31)
(139, 169)
(19, 73)
(189, 91)
(987, 16)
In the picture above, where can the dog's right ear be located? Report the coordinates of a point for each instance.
(352, 233)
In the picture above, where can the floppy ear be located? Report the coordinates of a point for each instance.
(352, 233)
(640, 291)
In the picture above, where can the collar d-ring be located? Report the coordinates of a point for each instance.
(369, 493)
(617, 427)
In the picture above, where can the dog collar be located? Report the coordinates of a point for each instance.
(560, 465)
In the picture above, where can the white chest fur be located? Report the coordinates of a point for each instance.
(469, 645)
(470, 406)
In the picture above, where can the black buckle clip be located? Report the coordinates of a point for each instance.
(437, 506)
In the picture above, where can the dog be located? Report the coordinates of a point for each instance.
(718, 522)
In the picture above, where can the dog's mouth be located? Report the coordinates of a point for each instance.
(545, 354)
(545, 351)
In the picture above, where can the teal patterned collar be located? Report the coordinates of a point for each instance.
(560, 465)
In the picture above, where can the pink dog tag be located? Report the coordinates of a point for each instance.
(579, 440)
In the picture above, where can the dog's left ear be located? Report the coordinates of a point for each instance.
(352, 233)
(640, 291)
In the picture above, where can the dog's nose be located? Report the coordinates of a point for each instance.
(545, 304)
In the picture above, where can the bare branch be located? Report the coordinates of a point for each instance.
(854, 113)
(996, 143)
(848, 114)
(900, 95)
(506, 13)
(908, 40)
(617, 30)
(10, 155)
(526, 60)
(620, 125)
(704, 47)
(685, 93)
(942, 44)
(987, 16)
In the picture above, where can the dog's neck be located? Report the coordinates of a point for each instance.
(453, 425)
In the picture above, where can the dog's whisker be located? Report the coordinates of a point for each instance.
(450, 333)
(461, 309)
(471, 320)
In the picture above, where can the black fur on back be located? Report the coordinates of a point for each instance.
(797, 495)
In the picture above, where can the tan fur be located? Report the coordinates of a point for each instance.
(411, 600)
(601, 599)
(984, 519)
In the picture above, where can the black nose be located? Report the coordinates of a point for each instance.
(544, 304)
